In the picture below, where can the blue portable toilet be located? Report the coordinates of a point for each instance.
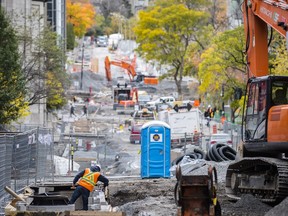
(155, 150)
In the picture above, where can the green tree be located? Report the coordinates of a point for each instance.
(99, 24)
(70, 37)
(55, 78)
(164, 33)
(56, 94)
(12, 82)
(45, 64)
(223, 67)
(217, 22)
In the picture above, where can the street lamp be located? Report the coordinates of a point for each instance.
(82, 65)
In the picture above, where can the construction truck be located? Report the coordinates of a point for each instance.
(130, 70)
(125, 97)
(261, 167)
(186, 125)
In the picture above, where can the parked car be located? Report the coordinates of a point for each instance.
(223, 138)
(101, 41)
(135, 133)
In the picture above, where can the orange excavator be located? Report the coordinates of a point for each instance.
(130, 69)
(261, 167)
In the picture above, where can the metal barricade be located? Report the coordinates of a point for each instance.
(25, 158)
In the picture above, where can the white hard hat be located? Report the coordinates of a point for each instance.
(209, 106)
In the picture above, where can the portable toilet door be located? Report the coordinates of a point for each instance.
(155, 150)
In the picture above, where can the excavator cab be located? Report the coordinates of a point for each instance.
(266, 115)
(262, 167)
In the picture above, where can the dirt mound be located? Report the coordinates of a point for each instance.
(151, 206)
(248, 205)
(141, 189)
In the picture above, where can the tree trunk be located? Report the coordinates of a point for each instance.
(178, 78)
(178, 86)
(233, 115)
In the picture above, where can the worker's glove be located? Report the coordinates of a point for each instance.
(106, 193)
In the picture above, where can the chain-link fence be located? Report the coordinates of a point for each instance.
(25, 158)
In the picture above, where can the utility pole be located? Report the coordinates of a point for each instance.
(82, 65)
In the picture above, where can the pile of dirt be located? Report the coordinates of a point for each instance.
(248, 205)
(153, 197)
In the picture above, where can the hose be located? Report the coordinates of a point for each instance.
(218, 152)
(196, 154)
(221, 152)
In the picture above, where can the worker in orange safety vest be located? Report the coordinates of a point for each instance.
(85, 182)
(223, 117)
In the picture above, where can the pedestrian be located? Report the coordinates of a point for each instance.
(72, 110)
(74, 99)
(223, 117)
(85, 181)
(85, 110)
(208, 114)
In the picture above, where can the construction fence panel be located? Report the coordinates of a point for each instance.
(24, 157)
(44, 156)
(6, 144)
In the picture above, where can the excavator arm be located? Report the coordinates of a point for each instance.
(125, 65)
(257, 15)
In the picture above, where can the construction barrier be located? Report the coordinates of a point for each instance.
(151, 80)
(214, 129)
(25, 158)
(95, 65)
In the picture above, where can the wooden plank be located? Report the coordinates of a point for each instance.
(94, 213)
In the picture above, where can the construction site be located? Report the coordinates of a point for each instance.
(38, 166)
(142, 149)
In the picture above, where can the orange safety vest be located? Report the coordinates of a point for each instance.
(223, 119)
(89, 179)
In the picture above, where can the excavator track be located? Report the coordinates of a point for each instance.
(265, 178)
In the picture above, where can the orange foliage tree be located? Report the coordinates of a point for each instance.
(81, 15)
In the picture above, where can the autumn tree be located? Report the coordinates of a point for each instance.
(164, 32)
(223, 68)
(278, 56)
(217, 22)
(12, 82)
(55, 78)
(81, 14)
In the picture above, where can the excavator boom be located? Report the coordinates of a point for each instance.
(257, 14)
(130, 69)
(125, 65)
